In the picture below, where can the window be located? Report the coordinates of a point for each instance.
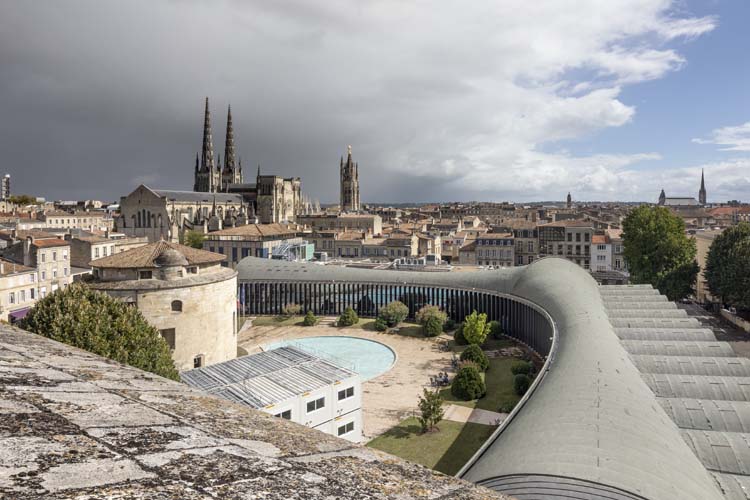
(601, 257)
(65, 255)
(198, 361)
(54, 256)
(65, 271)
(346, 429)
(617, 263)
(11, 298)
(54, 274)
(221, 249)
(570, 236)
(177, 305)
(44, 256)
(601, 247)
(315, 405)
(192, 270)
(578, 236)
(286, 415)
(32, 278)
(145, 275)
(531, 246)
(105, 251)
(586, 237)
(96, 252)
(346, 393)
(234, 254)
(44, 275)
(168, 335)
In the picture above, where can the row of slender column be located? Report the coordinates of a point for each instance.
(519, 320)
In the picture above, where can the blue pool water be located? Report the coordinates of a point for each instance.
(366, 357)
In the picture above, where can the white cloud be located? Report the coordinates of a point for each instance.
(734, 138)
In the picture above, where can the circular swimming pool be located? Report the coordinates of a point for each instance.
(366, 357)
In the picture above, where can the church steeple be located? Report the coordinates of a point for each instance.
(207, 154)
(229, 163)
(702, 192)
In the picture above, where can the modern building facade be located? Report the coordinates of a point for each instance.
(183, 292)
(256, 240)
(292, 384)
(610, 414)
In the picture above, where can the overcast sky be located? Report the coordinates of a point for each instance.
(440, 100)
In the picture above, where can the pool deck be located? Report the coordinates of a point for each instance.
(388, 398)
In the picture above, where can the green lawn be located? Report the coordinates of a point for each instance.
(446, 450)
(499, 380)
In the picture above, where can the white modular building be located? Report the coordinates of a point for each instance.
(289, 383)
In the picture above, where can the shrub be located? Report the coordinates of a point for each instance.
(520, 368)
(449, 325)
(394, 313)
(476, 355)
(427, 312)
(348, 318)
(310, 319)
(496, 329)
(433, 327)
(291, 310)
(521, 383)
(506, 407)
(430, 409)
(98, 323)
(476, 328)
(194, 239)
(381, 325)
(468, 383)
(458, 335)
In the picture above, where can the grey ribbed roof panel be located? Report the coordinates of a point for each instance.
(691, 365)
(708, 415)
(534, 487)
(727, 452)
(642, 306)
(655, 323)
(734, 487)
(660, 312)
(621, 299)
(691, 334)
(699, 387)
(679, 348)
(608, 291)
(591, 419)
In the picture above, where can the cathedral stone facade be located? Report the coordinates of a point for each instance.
(349, 174)
(220, 197)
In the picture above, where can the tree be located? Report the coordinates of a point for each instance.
(23, 199)
(348, 317)
(468, 383)
(291, 310)
(475, 328)
(394, 313)
(520, 368)
(458, 335)
(98, 323)
(728, 266)
(659, 252)
(310, 319)
(476, 355)
(194, 239)
(496, 329)
(431, 409)
(521, 383)
(432, 320)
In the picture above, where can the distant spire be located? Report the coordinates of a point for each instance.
(258, 169)
(702, 192)
(207, 154)
(229, 144)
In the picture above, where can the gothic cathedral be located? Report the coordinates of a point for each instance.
(349, 174)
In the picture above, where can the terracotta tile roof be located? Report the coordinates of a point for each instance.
(569, 223)
(496, 236)
(599, 239)
(144, 257)
(255, 231)
(50, 242)
(9, 268)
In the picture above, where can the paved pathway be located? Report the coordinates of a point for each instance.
(458, 413)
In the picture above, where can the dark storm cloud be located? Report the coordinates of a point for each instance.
(97, 97)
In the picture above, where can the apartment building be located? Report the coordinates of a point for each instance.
(570, 239)
(45, 252)
(18, 290)
(251, 240)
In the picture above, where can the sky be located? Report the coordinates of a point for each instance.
(499, 100)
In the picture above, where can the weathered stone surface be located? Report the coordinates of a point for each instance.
(73, 425)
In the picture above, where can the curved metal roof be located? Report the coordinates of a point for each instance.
(699, 386)
(692, 365)
(592, 424)
(708, 415)
(692, 334)
(679, 348)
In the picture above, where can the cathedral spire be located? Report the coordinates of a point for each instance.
(207, 155)
(229, 163)
(702, 192)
